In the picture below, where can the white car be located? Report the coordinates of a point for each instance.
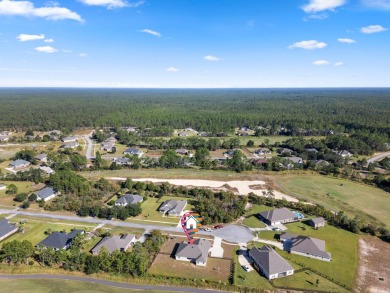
(246, 268)
(208, 229)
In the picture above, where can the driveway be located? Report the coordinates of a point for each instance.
(217, 250)
(378, 157)
(88, 153)
(244, 259)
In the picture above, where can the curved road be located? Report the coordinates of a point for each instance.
(378, 157)
(109, 283)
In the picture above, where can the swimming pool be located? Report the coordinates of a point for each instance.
(299, 215)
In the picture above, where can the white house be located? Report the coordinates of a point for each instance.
(46, 194)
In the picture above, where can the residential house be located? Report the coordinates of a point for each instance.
(342, 153)
(134, 151)
(311, 150)
(107, 146)
(70, 145)
(321, 163)
(204, 134)
(3, 186)
(41, 158)
(46, 193)
(269, 263)
(59, 240)
(295, 160)
(278, 216)
(230, 153)
(183, 134)
(122, 161)
(113, 243)
(182, 152)
(285, 151)
(19, 164)
(197, 252)
(259, 162)
(6, 133)
(47, 170)
(111, 140)
(173, 207)
(7, 229)
(262, 152)
(69, 139)
(305, 246)
(129, 199)
(317, 222)
(4, 138)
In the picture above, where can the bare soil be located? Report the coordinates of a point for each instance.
(373, 275)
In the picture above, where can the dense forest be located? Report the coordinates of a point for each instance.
(300, 111)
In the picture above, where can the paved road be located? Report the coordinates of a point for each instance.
(231, 233)
(88, 153)
(378, 157)
(109, 283)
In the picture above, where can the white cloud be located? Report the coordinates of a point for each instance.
(151, 32)
(66, 51)
(315, 6)
(83, 54)
(49, 41)
(340, 63)
(372, 29)
(346, 41)
(319, 16)
(26, 8)
(46, 49)
(211, 58)
(26, 38)
(321, 62)
(308, 45)
(110, 4)
(172, 69)
(378, 4)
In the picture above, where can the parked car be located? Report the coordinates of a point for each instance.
(246, 268)
(218, 227)
(208, 229)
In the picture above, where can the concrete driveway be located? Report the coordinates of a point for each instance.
(244, 259)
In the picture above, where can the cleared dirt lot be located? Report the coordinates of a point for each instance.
(373, 274)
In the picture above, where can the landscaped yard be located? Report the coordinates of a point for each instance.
(356, 199)
(340, 243)
(252, 220)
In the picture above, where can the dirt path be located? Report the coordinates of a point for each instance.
(373, 275)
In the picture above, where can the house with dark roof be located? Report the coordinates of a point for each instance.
(113, 243)
(197, 252)
(317, 222)
(122, 161)
(59, 240)
(128, 199)
(173, 207)
(41, 158)
(269, 263)
(278, 216)
(46, 193)
(134, 151)
(18, 164)
(305, 246)
(7, 229)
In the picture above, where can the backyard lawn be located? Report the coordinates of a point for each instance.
(356, 199)
(252, 220)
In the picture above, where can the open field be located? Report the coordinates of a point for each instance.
(369, 203)
(373, 270)
(34, 229)
(60, 286)
(343, 246)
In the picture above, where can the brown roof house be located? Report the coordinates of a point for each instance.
(117, 242)
(317, 222)
(197, 253)
(278, 216)
(269, 263)
(305, 246)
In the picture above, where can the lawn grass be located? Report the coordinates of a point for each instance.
(34, 229)
(116, 230)
(343, 246)
(61, 286)
(356, 199)
(253, 222)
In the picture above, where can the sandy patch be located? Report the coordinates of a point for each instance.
(243, 187)
(373, 274)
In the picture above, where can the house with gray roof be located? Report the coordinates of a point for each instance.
(317, 222)
(269, 263)
(7, 229)
(108, 146)
(134, 151)
(113, 243)
(4, 138)
(69, 139)
(70, 145)
(122, 161)
(41, 158)
(18, 164)
(129, 199)
(46, 193)
(197, 252)
(278, 216)
(47, 170)
(263, 151)
(295, 160)
(305, 246)
(285, 151)
(59, 240)
(173, 207)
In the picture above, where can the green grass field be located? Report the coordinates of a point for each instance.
(61, 286)
(343, 246)
(369, 203)
(252, 220)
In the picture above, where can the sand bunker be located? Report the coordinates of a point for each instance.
(243, 187)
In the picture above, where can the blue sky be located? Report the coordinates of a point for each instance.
(195, 43)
